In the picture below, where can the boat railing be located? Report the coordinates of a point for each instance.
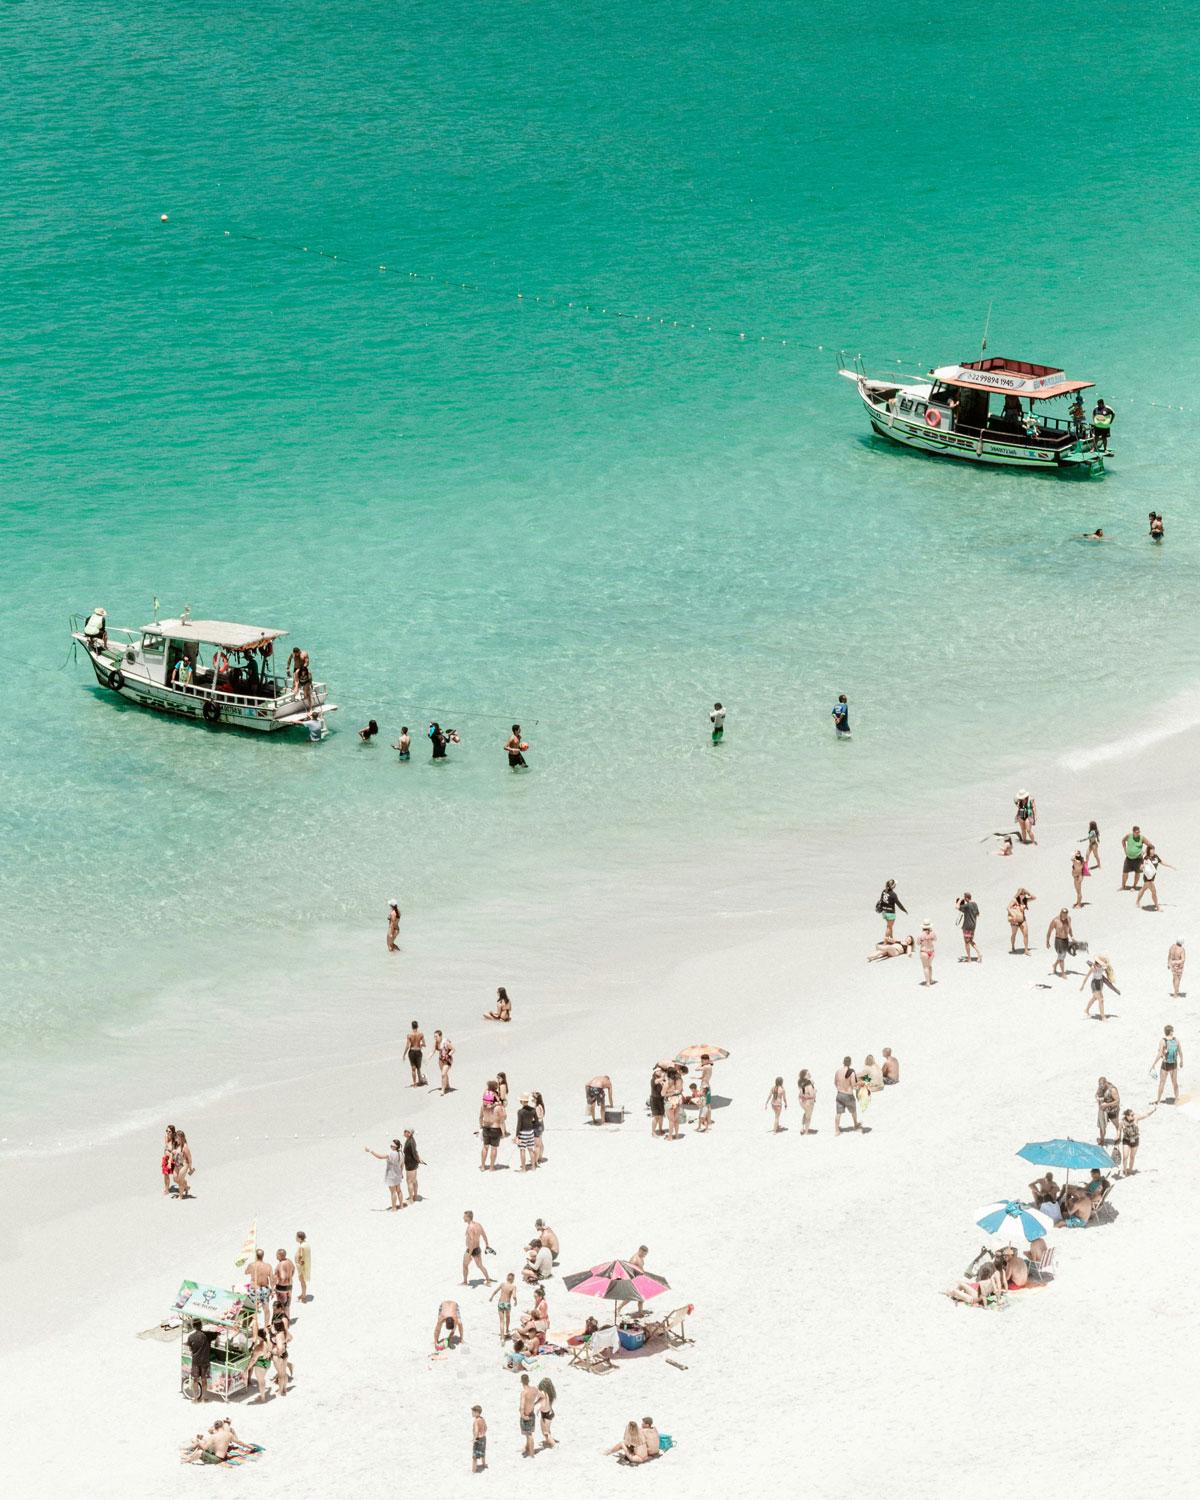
(244, 700)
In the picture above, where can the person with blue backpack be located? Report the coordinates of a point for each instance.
(1168, 1062)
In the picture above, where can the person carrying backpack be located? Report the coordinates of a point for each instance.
(1168, 1062)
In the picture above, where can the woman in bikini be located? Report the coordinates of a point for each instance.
(1098, 976)
(445, 1057)
(1176, 958)
(892, 948)
(539, 1127)
(777, 1101)
(1078, 870)
(183, 1164)
(806, 1092)
(506, 1290)
(1018, 919)
(167, 1164)
(1131, 1138)
(1150, 864)
(502, 1098)
(673, 1097)
(503, 1010)
(990, 1286)
(1026, 818)
(1093, 843)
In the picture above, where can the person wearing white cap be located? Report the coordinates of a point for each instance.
(393, 926)
(926, 945)
(1026, 817)
(95, 631)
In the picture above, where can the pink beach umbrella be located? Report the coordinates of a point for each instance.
(617, 1280)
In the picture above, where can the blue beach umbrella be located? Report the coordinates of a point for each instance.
(1013, 1222)
(1072, 1156)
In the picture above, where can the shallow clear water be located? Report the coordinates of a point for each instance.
(595, 518)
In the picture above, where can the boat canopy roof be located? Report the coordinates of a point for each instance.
(1011, 376)
(216, 633)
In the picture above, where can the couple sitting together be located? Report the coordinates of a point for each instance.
(640, 1444)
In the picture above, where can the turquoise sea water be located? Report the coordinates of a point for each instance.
(595, 518)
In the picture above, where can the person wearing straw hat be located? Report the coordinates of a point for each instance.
(393, 926)
(926, 946)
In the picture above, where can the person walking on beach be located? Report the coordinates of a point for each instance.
(1176, 958)
(1099, 975)
(1026, 818)
(547, 1396)
(167, 1163)
(1060, 930)
(1108, 1110)
(1150, 868)
(841, 717)
(887, 905)
(415, 1042)
(1093, 845)
(1135, 847)
(658, 1103)
(717, 720)
(527, 1405)
(478, 1441)
(926, 946)
(477, 1243)
(506, 1290)
(444, 1048)
(1079, 868)
(514, 745)
(1168, 1060)
(303, 1263)
(806, 1096)
(968, 915)
(1131, 1138)
(777, 1101)
(845, 1083)
(403, 745)
(183, 1165)
(1018, 920)
(393, 926)
(393, 1175)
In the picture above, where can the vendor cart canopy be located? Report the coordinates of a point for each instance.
(212, 1304)
(1011, 376)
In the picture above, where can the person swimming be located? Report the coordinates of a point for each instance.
(1094, 536)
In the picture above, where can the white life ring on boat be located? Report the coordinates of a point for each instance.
(932, 418)
(211, 711)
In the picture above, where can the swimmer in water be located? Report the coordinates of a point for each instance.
(369, 733)
(404, 744)
(1094, 536)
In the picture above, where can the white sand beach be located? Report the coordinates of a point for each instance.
(824, 1353)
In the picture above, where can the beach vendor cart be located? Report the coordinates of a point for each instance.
(231, 1314)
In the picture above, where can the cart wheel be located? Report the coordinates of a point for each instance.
(116, 679)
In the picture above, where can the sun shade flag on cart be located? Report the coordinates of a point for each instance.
(250, 1245)
(1014, 1223)
(695, 1053)
(617, 1280)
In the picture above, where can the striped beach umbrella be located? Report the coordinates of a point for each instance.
(617, 1280)
(1013, 1223)
(700, 1049)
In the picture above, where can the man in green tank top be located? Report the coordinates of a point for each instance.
(1135, 847)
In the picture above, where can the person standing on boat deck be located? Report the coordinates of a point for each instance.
(1102, 420)
(513, 746)
(1078, 416)
(841, 716)
(1012, 410)
(952, 403)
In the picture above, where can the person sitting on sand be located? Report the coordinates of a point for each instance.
(599, 1089)
(890, 1067)
(892, 948)
(871, 1074)
(503, 1011)
(1006, 847)
(536, 1322)
(1076, 1205)
(539, 1263)
(1013, 1267)
(450, 1321)
(632, 1447)
(547, 1236)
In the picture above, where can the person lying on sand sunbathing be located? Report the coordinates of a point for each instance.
(989, 1289)
(892, 948)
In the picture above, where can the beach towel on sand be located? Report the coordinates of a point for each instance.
(235, 1459)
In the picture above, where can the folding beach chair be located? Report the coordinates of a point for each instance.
(674, 1326)
(1047, 1263)
(597, 1354)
